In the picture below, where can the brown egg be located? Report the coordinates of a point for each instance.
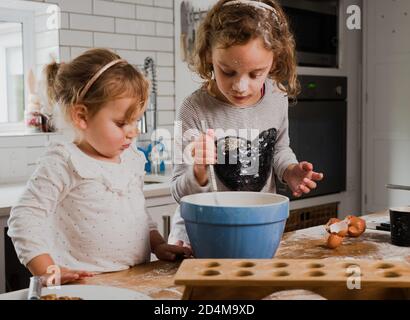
(334, 241)
(356, 226)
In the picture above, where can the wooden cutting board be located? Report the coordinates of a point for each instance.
(293, 273)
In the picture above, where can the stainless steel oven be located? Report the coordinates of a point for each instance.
(317, 131)
(315, 26)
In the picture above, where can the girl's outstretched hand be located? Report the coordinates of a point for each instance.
(171, 252)
(181, 243)
(301, 178)
(65, 275)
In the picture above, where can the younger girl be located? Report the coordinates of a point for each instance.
(83, 208)
(246, 55)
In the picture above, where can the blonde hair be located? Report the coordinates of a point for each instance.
(66, 83)
(237, 24)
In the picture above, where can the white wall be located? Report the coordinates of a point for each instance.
(351, 46)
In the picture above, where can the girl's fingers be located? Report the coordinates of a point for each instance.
(69, 277)
(309, 183)
(86, 274)
(169, 256)
(205, 157)
(179, 243)
(187, 251)
(204, 150)
(184, 251)
(306, 166)
(77, 274)
(317, 176)
(304, 189)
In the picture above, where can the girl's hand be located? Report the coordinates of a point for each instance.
(204, 153)
(43, 265)
(181, 243)
(66, 276)
(301, 178)
(170, 252)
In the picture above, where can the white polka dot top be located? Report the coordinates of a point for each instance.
(86, 213)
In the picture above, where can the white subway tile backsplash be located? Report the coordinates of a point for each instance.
(64, 21)
(144, 2)
(165, 29)
(165, 74)
(76, 38)
(166, 118)
(165, 59)
(135, 57)
(155, 14)
(164, 3)
(113, 40)
(166, 88)
(91, 23)
(81, 6)
(65, 54)
(46, 55)
(156, 44)
(134, 27)
(166, 103)
(114, 9)
(47, 39)
(76, 51)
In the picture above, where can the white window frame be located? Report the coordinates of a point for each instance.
(26, 18)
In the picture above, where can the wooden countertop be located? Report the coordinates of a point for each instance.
(156, 278)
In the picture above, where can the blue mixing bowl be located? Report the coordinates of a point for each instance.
(235, 224)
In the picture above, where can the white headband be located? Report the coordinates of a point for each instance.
(255, 4)
(96, 76)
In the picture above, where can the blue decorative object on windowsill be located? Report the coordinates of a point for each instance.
(146, 154)
(155, 155)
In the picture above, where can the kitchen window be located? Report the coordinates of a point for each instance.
(16, 55)
(28, 40)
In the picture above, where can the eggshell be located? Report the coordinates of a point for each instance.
(334, 241)
(335, 226)
(356, 226)
(330, 222)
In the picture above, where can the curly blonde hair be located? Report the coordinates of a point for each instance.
(65, 82)
(226, 26)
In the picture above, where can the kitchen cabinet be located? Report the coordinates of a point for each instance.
(162, 215)
(161, 210)
(3, 224)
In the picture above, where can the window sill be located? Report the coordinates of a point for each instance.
(26, 133)
(19, 130)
